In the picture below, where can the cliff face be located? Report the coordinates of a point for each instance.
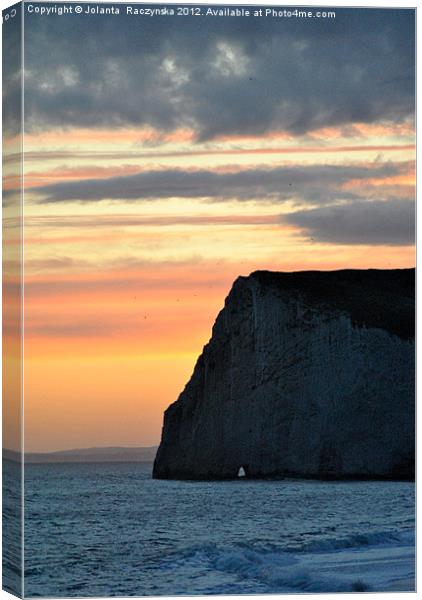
(306, 374)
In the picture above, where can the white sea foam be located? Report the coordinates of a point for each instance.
(371, 562)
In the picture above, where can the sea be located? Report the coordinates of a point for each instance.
(109, 529)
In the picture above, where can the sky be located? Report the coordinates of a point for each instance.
(166, 156)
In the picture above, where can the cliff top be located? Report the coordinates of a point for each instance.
(381, 298)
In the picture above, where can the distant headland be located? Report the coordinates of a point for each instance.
(79, 455)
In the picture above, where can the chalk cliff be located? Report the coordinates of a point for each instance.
(307, 374)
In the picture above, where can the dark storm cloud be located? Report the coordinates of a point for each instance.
(320, 184)
(219, 76)
(12, 71)
(390, 222)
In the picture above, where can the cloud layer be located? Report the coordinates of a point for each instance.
(320, 184)
(218, 76)
(390, 223)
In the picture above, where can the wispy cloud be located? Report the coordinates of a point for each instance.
(42, 156)
(134, 220)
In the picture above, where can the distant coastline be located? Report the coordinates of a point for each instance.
(81, 455)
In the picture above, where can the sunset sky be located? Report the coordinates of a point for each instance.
(167, 156)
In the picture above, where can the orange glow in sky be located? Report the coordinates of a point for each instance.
(120, 297)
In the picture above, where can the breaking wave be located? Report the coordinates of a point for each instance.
(285, 569)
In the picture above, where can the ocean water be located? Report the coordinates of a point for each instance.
(111, 530)
(12, 526)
